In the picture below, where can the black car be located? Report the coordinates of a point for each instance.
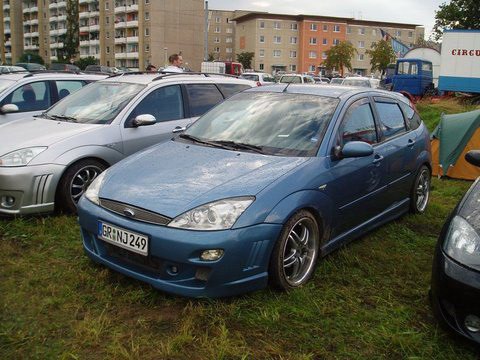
(455, 291)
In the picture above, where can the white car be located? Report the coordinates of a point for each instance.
(259, 77)
(296, 79)
(361, 82)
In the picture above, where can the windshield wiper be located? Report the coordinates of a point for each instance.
(200, 141)
(240, 146)
(43, 115)
(63, 117)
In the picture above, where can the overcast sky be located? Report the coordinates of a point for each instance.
(421, 12)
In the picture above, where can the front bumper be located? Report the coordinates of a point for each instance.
(32, 187)
(173, 264)
(455, 294)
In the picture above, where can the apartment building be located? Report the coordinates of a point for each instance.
(11, 26)
(298, 43)
(221, 35)
(89, 28)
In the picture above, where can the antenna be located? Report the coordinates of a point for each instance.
(285, 89)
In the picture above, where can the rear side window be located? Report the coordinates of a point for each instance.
(202, 97)
(31, 97)
(392, 122)
(231, 89)
(164, 103)
(358, 124)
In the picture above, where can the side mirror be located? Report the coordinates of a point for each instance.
(473, 157)
(9, 108)
(356, 149)
(144, 120)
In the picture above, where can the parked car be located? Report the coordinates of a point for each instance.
(336, 81)
(258, 189)
(49, 160)
(31, 66)
(4, 69)
(321, 80)
(27, 94)
(100, 69)
(296, 79)
(455, 290)
(259, 77)
(361, 81)
(64, 67)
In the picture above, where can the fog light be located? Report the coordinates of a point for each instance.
(211, 255)
(8, 201)
(472, 323)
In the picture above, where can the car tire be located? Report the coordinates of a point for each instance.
(75, 181)
(420, 192)
(295, 253)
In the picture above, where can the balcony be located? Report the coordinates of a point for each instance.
(35, 34)
(6, 31)
(84, 29)
(56, 45)
(53, 18)
(34, 22)
(53, 58)
(121, 25)
(125, 55)
(6, 7)
(53, 32)
(62, 31)
(31, 47)
(32, 9)
(133, 23)
(96, 56)
(27, 34)
(8, 55)
(85, 43)
(8, 43)
(95, 27)
(62, 17)
(62, 4)
(126, 9)
(53, 5)
(94, 42)
(120, 40)
(6, 19)
(88, 14)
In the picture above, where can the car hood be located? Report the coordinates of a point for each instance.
(29, 132)
(174, 177)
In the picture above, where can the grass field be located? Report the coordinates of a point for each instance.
(366, 301)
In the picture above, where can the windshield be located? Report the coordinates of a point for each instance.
(273, 123)
(252, 77)
(291, 79)
(337, 81)
(4, 83)
(97, 103)
(356, 82)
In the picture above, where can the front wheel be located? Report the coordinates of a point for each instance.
(75, 182)
(296, 251)
(420, 192)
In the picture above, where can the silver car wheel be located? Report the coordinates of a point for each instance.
(423, 190)
(82, 180)
(300, 251)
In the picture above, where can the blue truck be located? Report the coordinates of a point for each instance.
(413, 77)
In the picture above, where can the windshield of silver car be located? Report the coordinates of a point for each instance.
(97, 103)
(270, 123)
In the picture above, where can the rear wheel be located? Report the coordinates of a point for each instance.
(75, 182)
(420, 192)
(295, 254)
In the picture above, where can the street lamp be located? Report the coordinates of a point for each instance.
(165, 49)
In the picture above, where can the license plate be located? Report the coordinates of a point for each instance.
(124, 238)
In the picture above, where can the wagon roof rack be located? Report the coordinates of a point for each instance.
(37, 72)
(169, 74)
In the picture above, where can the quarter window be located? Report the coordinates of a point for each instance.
(358, 124)
(202, 97)
(391, 119)
(231, 89)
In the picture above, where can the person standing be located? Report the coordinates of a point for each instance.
(151, 68)
(176, 62)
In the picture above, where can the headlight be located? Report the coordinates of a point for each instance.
(21, 157)
(92, 191)
(217, 215)
(463, 243)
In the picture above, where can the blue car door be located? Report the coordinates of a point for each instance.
(358, 184)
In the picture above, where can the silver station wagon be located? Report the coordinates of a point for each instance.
(49, 160)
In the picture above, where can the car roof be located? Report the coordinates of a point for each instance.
(51, 75)
(337, 91)
(153, 78)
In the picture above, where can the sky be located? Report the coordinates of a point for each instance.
(420, 12)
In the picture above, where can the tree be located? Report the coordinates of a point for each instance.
(31, 57)
(381, 54)
(245, 58)
(458, 14)
(84, 62)
(70, 39)
(340, 56)
(211, 57)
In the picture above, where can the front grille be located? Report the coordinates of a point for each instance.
(151, 264)
(139, 214)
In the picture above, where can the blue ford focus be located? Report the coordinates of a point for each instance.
(258, 189)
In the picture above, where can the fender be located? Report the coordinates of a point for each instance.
(107, 154)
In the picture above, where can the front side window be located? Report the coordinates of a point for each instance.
(277, 123)
(358, 124)
(98, 103)
(202, 97)
(164, 103)
(231, 89)
(391, 119)
(31, 97)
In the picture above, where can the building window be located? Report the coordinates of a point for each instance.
(293, 54)
(361, 57)
(361, 44)
(147, 31)
(147, 1)
(294, 26)
(293, 40)
(336, 28)
(277, 53)
(262, 25)
(262, 38)
(147, 47)
(107, 20)
(108, 35)
(228, 40)
(261, 66)
(313, 27)
(361, 31)
(410, 34)
(312, 55)
(229, 50)
(147, 15)
(311, 68)
(313, 41)
(229, 30)
(106, 5)
(217, 49)
(217, 19)
(374, 32)
(261, 53)
(324, 55)
(336, 41)
(108, 49)
(276, 25)
(217, 29)
(349, 30)
(277, 39)
(216, 40)
(398, 33)
(325, 41)
(325, 27)
(293, 68)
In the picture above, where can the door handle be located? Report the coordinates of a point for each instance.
(410, 142)
(377, 158)
(178, 129)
